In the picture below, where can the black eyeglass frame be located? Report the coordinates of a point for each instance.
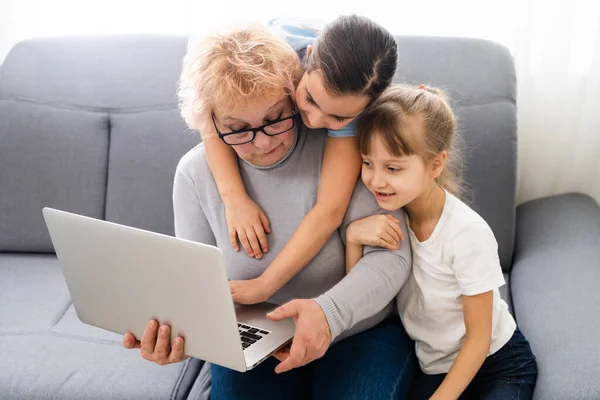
(255, 130)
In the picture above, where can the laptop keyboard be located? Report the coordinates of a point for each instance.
(250, 334)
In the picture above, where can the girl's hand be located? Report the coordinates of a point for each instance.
(376, 230)
(252, 291)
(246, 221)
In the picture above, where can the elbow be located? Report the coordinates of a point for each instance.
(337, 216)
(403, 265)
(482, 343)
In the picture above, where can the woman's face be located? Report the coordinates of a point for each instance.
(320, 109)
(263, 150)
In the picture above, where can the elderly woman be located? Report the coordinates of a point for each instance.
(244, 78)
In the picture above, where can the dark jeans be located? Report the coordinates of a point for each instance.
(508, 374)
(375, 364)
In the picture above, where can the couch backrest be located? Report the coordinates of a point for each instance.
(91, 126)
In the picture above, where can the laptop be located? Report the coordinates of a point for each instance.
(121, 277)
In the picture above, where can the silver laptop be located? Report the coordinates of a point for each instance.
(120, 277)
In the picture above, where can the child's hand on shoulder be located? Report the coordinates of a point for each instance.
(377, 230)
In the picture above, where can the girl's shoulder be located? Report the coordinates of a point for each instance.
(466, 225)
(460, 211)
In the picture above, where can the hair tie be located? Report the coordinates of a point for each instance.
(422, 87)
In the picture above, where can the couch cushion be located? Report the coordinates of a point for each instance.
(201, 387)
(69, 325)
(49, 156)
(48, 353)
(44, 366)
(490, 174)
(554, 285)
(107, 73)
(471, 70)
(145, 148)
(55, 131)
(33, 293)
(505, 293)
(479, 77)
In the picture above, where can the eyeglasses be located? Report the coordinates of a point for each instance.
(246, 135)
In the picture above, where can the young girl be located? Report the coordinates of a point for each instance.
(467, 343)
(349, 64)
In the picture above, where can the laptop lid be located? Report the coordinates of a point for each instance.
(121, 277)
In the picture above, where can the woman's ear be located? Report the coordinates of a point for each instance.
(438, 164)
(308, 52)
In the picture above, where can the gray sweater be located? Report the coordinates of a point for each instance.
(286, 192)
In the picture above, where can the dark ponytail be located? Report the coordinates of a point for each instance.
(356, 56)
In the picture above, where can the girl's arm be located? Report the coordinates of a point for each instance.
(376, 230)
(244, 218)
(354, 253)
(477, 311)
(341, 166)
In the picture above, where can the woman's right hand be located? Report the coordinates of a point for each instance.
(247, 222)
(155, 345)
(377, 230)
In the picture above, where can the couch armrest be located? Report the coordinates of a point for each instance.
(556, 293)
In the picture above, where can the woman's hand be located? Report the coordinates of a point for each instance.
(251, 291)
(376, 230)
(311, 339)
(246, 221)
(155, 345)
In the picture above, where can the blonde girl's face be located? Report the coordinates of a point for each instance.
(394, 181)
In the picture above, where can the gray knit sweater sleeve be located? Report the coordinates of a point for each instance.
(377, 278)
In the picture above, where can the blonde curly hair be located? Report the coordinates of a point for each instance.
(233, 69)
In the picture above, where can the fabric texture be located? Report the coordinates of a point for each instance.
(365, 293)
(202, 385)
(145, 148)
(48, 353)
(95, 73)
(510, 373)
(459, 258)
(33, 293)
(298, 32)
(505, 293)
(375, 364)
(347, 131)
(49, 157)
(555, 292)
(46, 365)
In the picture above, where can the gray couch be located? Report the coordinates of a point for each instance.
(91, 125)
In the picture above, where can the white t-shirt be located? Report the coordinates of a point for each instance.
(459, 258)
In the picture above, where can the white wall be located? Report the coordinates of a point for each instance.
(21, 19)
